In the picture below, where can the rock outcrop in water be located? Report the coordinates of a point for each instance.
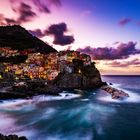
(12, 137)
(115, 93)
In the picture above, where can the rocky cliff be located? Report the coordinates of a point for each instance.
(84, 77)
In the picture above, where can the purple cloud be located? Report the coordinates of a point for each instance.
(37, 33)
(125, 21)
(41, 5)
(135, 62)
(7, 21)
(10, 21)
(58, 30)
(123, 51)
(24, 10)
(63, 40)
(25, 13)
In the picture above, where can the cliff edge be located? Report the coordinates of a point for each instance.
(82, 77)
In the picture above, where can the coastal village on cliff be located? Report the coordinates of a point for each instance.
(27, 64)
(43, 66)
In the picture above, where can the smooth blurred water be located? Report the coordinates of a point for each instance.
(91, 116)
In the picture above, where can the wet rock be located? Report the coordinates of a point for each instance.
(115, 93)
(30, 89)
(110, 84)
(12, 137)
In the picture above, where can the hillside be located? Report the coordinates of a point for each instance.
(19, 38)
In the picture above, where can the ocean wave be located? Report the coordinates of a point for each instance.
(15, 104)
(7, 123)
(62, 96)
(84, 100)
(20, 103)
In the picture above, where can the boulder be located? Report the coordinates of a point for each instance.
(12, 137)
(115, 93)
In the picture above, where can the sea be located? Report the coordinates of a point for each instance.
(76, 115)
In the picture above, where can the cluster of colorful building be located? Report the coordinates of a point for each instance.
(46, 66)
(8, 52)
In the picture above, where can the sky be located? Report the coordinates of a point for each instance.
(107, 30)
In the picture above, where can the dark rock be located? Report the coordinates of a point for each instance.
(115, 93)
(89, 78)
(30, 89)
(12, 137)
(110, 84)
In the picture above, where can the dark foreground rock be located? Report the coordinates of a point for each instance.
(12, 137)
(29, 89)
(115, 93)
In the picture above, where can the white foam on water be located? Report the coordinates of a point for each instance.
(84, 100)
(62, 96)
(74, 136)
(114, 85)
(15, 104)
(20, 103)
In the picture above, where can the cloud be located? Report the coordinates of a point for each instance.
(25, 13)
(42, 6)
(37, 33)
(135, 62)
(56, 2)
(58, 30)
(63, 40)
(10, 21)
(7, 21)
(123, 51)
(24, 10)
(125, 21)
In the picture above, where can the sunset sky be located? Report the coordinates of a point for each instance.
(108, 30)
